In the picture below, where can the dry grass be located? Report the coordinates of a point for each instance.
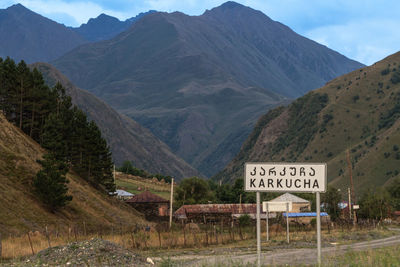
(178, 240)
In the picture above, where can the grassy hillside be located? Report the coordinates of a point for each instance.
(358, 112)
(20, 211)
(132, 184)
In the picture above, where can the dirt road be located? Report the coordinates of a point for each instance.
(286, 256)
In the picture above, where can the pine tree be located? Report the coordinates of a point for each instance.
(50, 184)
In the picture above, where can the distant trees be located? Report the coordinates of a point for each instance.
(128, 168)
(48, 116)
(331, 201)
(375, 204)
(193, 190)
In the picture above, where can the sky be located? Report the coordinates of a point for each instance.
(363, 30)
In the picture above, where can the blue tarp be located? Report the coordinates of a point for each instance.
(304, 214)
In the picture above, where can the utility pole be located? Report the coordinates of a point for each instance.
(352, 194)
(348, 191)
(170, 203)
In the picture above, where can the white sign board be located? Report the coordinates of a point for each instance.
(276, 206)
(356, 207)
(285, 177)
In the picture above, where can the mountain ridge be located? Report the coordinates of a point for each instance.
(200, 82)
(33, 37)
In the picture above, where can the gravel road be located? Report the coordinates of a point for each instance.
(292, 256)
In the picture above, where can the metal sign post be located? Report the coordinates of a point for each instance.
(286, 177)
(287, 222)
(258, 230)
(266, 221)
(319, 229)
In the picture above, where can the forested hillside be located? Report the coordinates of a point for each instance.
(48, 117)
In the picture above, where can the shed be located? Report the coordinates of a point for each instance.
(216, 212)
(122, 194)
(298, 204)
(151, 205)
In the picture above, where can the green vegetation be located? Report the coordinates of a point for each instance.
(331, 200)
(48, 117)
(50, 183)
(302, 124)
(128, 168)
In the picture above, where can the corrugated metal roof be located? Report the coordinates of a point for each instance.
(289, 197)
(304, 214)
(216, 209)
(123, 193)
(147, 197)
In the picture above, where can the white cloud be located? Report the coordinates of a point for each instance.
(366, 41)
(365, 30)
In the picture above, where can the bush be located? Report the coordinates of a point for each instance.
(244, 220)
(385, 71)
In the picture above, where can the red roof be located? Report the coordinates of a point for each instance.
(397, 213)
(217, 209)
(147, 197)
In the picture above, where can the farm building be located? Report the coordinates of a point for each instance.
(124, 195)
(151, 205)
(298, 204)
(216, 212)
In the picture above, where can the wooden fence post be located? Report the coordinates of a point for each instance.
(30, 242)
(48, 237)
(84, 228)
(184, 235)
(0, 245)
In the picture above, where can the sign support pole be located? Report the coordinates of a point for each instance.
(287, 222)
(319, 228)
(267, 221)
(258, 230)
(170, 203)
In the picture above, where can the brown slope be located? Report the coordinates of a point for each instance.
(20, 211)
(361, 115)
(128, 140)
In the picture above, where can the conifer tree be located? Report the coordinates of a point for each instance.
(50, 184)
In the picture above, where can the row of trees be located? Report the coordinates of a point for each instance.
(48, 116)
(128, 168)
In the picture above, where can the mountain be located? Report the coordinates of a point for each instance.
(31, 37)
(358, 112)
(21, 211)
(127, 139)
(105, 27)
(199, 83)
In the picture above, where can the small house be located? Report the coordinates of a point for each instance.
(151, 205)
(298, 204)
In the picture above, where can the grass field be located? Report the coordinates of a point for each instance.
(132, 184)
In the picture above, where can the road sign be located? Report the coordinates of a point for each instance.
(276, 206)
(285, 177)
(356, 207)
